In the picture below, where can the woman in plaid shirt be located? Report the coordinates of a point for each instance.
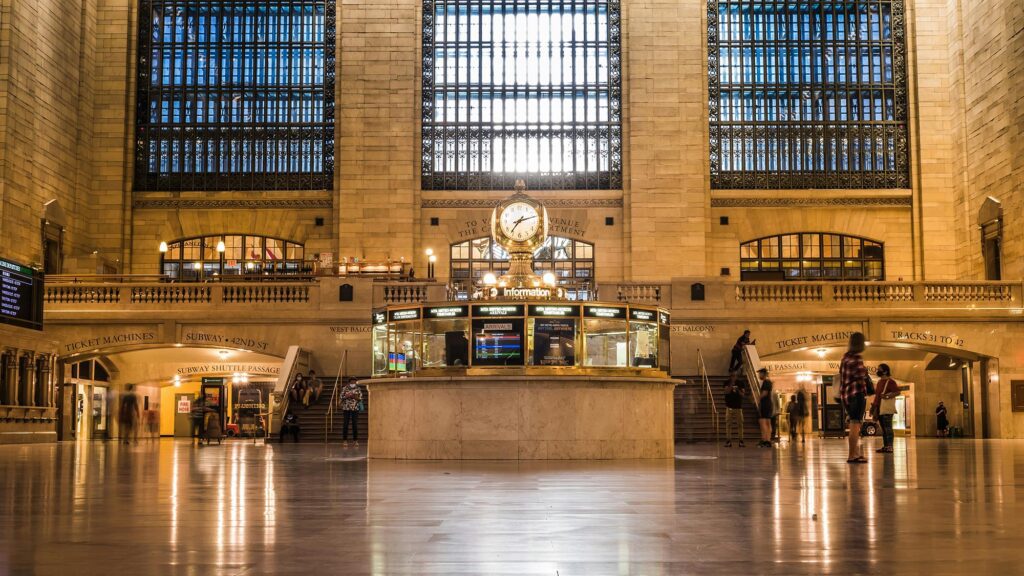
(853, 392)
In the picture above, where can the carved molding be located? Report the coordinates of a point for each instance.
(276, 203)
(550, 203)
(880, 202)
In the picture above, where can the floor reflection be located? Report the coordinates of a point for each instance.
(171, 507)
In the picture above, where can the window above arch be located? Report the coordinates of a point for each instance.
(812, 256)
(571, 261)
(193, 259)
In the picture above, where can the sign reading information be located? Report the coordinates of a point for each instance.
(21, 295)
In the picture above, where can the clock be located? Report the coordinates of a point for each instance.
(519, 221)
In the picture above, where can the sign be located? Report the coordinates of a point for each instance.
(498, 343)
(406, 314)
(693, 329)
(606, 312)
(193, 369)
(184, 405)
(510, 293)
(811, 339)
(116, 339)
(379, 317)
(443, 312)
(643, 315)
(498, 310)
(554, 342)
(243, 342)
(927, 337)
(664, 317)
(21, 295)
(554, 310)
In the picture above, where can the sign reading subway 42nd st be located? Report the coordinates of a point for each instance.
(21, 295)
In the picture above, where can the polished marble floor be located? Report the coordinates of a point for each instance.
(166, 507)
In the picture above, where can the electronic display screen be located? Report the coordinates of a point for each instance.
(21, 295)
(396, 362)
(554, 342)
(498, 342)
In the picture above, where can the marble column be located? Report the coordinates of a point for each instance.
(42, 381)
(11, 393)
(27, 369)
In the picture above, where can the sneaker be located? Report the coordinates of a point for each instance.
(740, 444)
(355, 444)
(728, 443)
(881, 450)
(344, 444)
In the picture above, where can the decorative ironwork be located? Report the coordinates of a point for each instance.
(812, 256)
(235, 95)
(873, 202)
(521, 90)
(549, 202)
(807, 94)
(571, 261)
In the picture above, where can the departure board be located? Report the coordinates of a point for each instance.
(21, 295)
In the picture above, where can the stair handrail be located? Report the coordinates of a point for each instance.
(335, 399)
(751, 364)
(292, 365)
(702, 367)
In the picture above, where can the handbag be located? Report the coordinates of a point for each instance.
(361, 407)
(888, 405)
(869, 386)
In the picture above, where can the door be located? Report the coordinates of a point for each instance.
(183, 415)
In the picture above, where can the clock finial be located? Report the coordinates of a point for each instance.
(520, 186)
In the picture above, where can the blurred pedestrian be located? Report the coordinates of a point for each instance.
(793, 417)
(941, 420)
(130, 415)
(884, 405)
(733, 413)
(853, 392)
(765, 409)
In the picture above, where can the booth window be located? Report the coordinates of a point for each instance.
(235, 95)
(528, 90)
(192, 259)
(812, 256)
(807, 94)
(572, 262)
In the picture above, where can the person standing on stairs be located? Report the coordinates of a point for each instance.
(351, 399)
(733, 412)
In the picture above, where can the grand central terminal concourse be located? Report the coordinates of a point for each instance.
(511, 287)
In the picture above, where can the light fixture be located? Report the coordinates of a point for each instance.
(250, 265)
(220, 246)
(197, 265)
(223, 352)
(549, 278)
(163, 247)
(430, 252)
(821, 352)
(177, 381)
(490, 279)
(432, 258)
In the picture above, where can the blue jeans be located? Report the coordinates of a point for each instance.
(887, 434)
(353, 417)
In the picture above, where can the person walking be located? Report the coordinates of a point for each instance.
(884, 405)
(130, 415)
(733, 413)
(803, 410)
(351, 399)
(793, 417)
(765, 409)
(853, 392)
(941, 420)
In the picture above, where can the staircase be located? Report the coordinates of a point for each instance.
(694, 418)
(313, 420)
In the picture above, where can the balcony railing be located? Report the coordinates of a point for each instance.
(988, 294)
(178, 294)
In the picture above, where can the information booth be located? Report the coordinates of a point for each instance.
(411, 339)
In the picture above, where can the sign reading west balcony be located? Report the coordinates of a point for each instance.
(21, 295)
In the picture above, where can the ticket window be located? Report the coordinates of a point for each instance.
(404, 352)
(553, 341)
(445, 343)
(643, 344)
(380, 350)
(498, 342)
(606, 342)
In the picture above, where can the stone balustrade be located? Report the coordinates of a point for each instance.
(911, 294)
(643, 293)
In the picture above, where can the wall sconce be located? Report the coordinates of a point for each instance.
(220, 247)
(163, 247)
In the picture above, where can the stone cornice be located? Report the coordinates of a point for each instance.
(870, 202)
(549, 202)
(213, 204)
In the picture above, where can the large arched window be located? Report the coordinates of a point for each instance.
(812, 256)
(198, 258)
(572, 262)
(520, 89)
(807, 94)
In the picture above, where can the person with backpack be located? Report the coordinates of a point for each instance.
(884, 405)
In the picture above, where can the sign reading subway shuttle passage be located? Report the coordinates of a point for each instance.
(21, 295)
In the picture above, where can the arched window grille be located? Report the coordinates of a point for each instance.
(807, 94)
(191, 259)
(571, 261)
(235, 95)
(812, 256)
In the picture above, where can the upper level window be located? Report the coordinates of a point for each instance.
(807, 94)
(235, 95)
(193, 259)
(812, 256)
(571, 261)
(518, 89)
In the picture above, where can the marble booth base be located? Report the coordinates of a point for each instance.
(521, 417)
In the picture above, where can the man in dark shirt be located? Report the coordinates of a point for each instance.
(736, 360)
(733, 412)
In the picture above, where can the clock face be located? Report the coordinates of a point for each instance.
(519, 221)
